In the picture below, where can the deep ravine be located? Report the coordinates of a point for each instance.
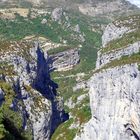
(41, 108)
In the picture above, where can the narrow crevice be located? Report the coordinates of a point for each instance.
(48, 89)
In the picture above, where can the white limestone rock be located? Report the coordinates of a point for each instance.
(115, 105)
(81, 85)
(117, 54)
(44, 21)
(113, 32)
(114, 94)
(35, 90)
(77, 28)
(65, 60)
(57, 14)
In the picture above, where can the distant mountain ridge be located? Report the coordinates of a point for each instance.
(86, 7)
(53, 3)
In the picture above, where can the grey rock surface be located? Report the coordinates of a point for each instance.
(44, 21)
(57, 14)
(77, 28)
(114, 102)
(114, 95)
(113, 32)
(117, 54)
(34, 87)
(65, 60)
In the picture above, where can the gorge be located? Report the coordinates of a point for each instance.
(69, 70)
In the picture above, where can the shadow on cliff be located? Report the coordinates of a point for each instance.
(47, 88)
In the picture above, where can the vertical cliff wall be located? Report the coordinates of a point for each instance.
(115, 85)
(35, 93)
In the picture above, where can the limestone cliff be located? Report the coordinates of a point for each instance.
(115, 85)
(25, 67)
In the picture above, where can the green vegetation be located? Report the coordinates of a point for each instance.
(90, 29)
(81, 114)
(132, 21)
(64, 132)
(65, 89)
(60, 49)
(88, 53)
(21, 27)
(11, 121)
(122, 42)
(81, 111)
(6, 68)
(3, 132)
(11, 47)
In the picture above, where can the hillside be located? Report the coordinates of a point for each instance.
(33, 44)
(87, 7)
(114, 86)
(48, 52)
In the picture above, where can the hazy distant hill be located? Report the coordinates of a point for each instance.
(87, 7)
(52, 3)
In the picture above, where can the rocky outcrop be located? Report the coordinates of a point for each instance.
(114, 96)
(113, 32)
(97, 8)
(57, 14)
(117, 54)
(35, 89)
(65, 60)
(114, 102)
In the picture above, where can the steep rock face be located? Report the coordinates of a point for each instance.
(33, 86)
(112, 32)
(114, 94)
(65, 60)
(114, 102)
(107, 57)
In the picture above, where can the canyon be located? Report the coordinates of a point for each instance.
(114, 87)
(69, 70)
